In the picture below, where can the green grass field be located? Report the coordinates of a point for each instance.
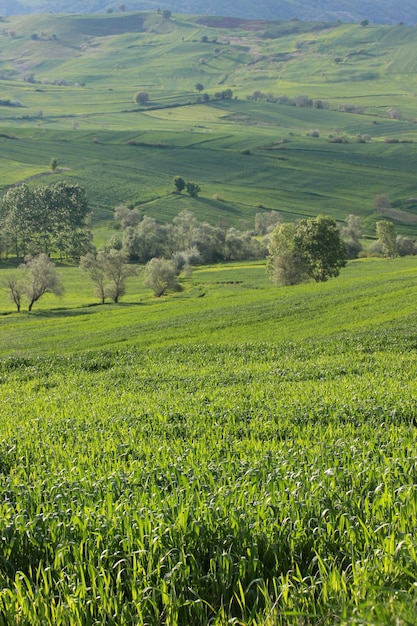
(235, 453)
(76, 82)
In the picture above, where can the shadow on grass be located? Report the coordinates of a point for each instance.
(85, 310)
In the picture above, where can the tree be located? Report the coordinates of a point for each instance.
(199, 87)
(185, 225)
(282, 264)
(17, 211)
(382, 203)
(15, 289)
(265, 222)
(405, 246)
(387, 238)
(40, 277)
(117, 270)
(192, 189)
(317, 243)
(364, 23)
(352, 233)
(179, 183)
(108, 270)
(146, 240)
(141, 97)
(46, 219)
(161, 275)
(127, 217)
(54, 164)
(166, 14)
(93, 265)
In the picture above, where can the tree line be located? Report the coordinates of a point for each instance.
(43, 221)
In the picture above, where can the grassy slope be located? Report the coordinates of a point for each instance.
(198, 456)
(230, 303)
(88, 127)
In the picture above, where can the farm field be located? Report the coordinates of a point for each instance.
(68, 87)
(233, 453)
(246, 457)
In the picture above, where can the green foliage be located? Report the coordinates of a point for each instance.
(312, 247)
(161, 275)
(46, 219)
(40, 277)
(179, 183)
(142, 97)
(108, 270)
(387, 238)
(317, 243)
(224, 478)
(193, 189)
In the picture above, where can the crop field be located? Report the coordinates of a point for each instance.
(246, 457)
(68, 86)
(232, 453)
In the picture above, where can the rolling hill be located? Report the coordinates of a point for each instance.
(322, 116)
(377, 11)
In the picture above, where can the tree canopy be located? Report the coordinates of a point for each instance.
(311, 248)
(46, 219)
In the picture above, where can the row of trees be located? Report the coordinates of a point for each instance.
(47, 219)
(108, 270)
(186, 240)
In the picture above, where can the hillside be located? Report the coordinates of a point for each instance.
(243, 457)
(321, 119)
(377, 11)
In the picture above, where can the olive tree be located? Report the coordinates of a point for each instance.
(161, 275)
(108, 269)
(40, 277)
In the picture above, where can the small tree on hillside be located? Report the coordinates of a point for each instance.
(179, 183)
(108, 270)
(387, 238)
(352, 233)
(317, 243)
(141, 97)
(40, 277)
(199, 87)
(54, 164)
(283, 266)
(117, 270)
(93, 266)
(192, 189)
(166, 14)
(161, 275)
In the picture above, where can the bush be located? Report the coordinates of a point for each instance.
(141, 97)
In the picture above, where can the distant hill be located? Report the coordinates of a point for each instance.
(376, 11)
